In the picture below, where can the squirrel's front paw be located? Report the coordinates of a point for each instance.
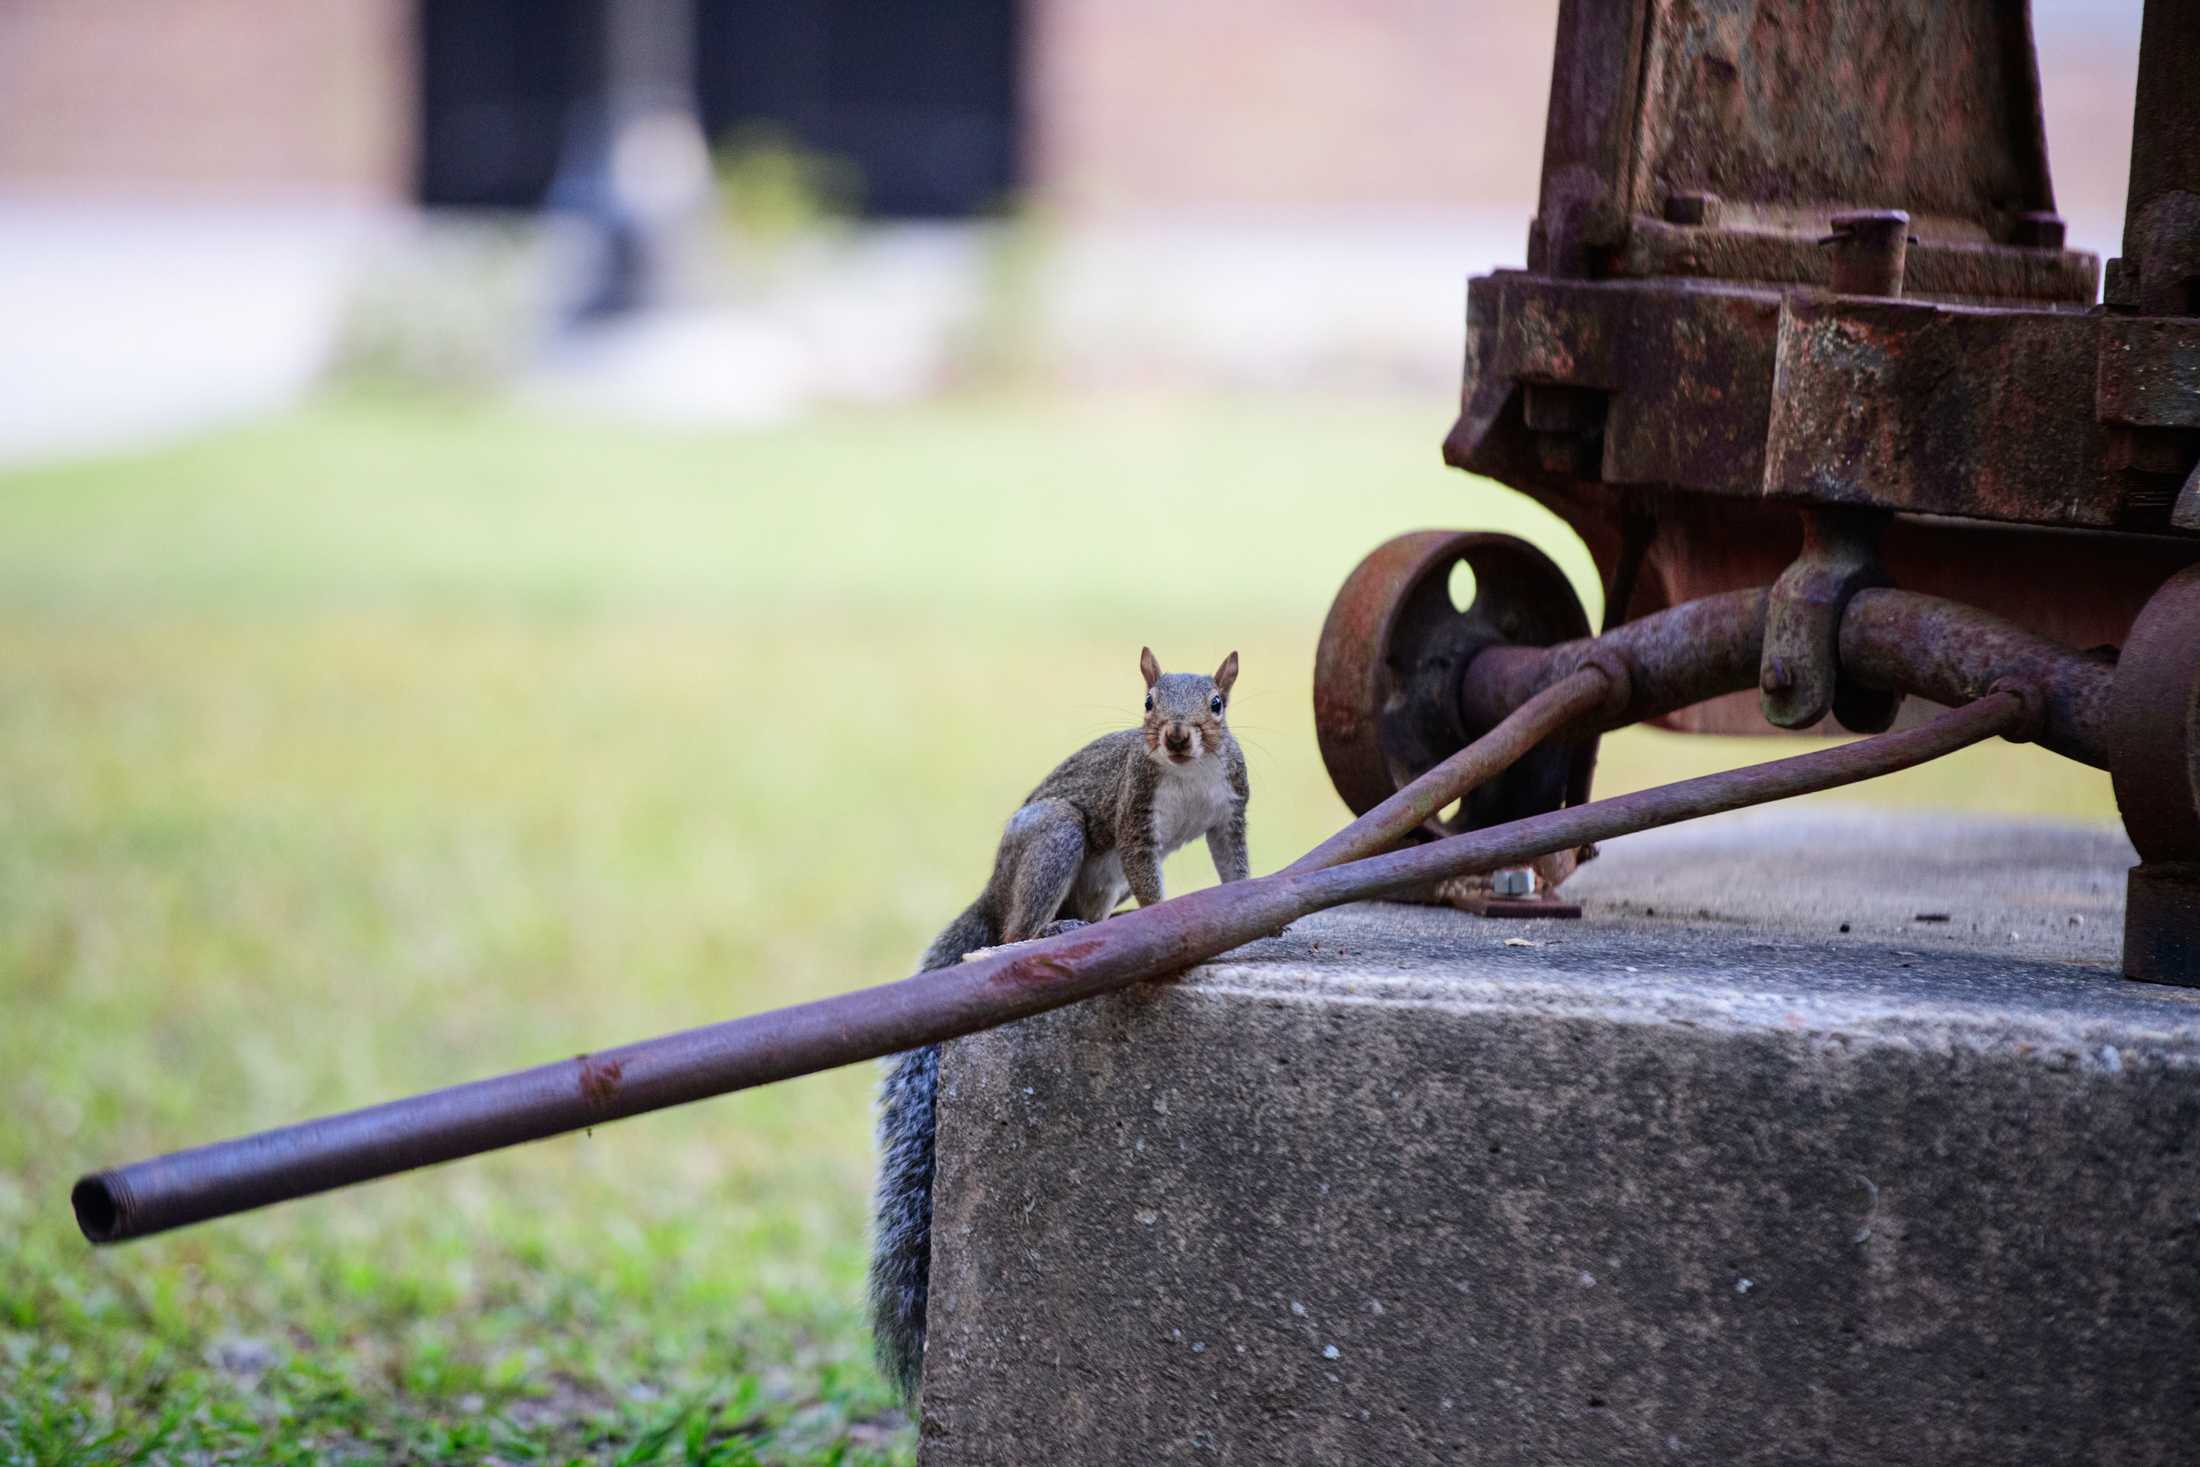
(1056, 929)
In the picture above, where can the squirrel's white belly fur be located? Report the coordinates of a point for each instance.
(1187, 802)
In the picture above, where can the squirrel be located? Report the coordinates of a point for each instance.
(1095, 829)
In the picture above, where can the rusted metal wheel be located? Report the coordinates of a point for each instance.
(2154, 758)
(2154, 749)
(1386, 676)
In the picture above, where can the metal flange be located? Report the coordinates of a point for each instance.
(1800, 679)
(1392, 653)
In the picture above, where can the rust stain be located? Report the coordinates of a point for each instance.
(1058, 966)
(599, 1079)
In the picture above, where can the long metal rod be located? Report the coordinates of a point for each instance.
(1565, 702)
(592, 1089)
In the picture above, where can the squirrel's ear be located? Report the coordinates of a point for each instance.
(1227, 673)
(1148, 666)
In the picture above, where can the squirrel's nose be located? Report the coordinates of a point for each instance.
(1178, 738)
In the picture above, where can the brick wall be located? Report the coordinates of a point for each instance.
(1138, 104)
(208, 97)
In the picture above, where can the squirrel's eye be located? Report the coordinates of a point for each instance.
(1149, 702)
(1215, 705)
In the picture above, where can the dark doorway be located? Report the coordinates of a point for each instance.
(919, 95)
(498, 79)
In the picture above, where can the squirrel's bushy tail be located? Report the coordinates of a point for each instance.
(901, 1242)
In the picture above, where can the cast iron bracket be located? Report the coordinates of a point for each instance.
(1800, 681)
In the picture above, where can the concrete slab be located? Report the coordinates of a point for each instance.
(1700, 1177)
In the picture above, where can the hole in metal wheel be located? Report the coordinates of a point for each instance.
(1461, 586)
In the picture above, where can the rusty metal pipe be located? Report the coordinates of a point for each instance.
(1949, 653)
(1898, 641)
(589, 1090)
(1675, 658)
(1565, 702)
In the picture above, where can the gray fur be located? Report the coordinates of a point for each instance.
(1094, 829)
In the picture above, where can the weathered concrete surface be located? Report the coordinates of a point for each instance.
(1664, 1188)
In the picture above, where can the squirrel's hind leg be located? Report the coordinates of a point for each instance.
(1050, 849)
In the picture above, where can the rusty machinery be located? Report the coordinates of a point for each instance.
(1800, 354)
(1798, 316)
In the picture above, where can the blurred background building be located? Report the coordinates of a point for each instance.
(204, 202)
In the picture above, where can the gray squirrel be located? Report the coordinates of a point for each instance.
(1095, 829)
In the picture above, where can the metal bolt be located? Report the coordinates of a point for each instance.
(1698, 209)
(1870, 250)
(2038, 229)
(1776, 677)
(2120, 285)
(1513, 881)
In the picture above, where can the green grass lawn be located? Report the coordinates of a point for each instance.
(393, 744)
